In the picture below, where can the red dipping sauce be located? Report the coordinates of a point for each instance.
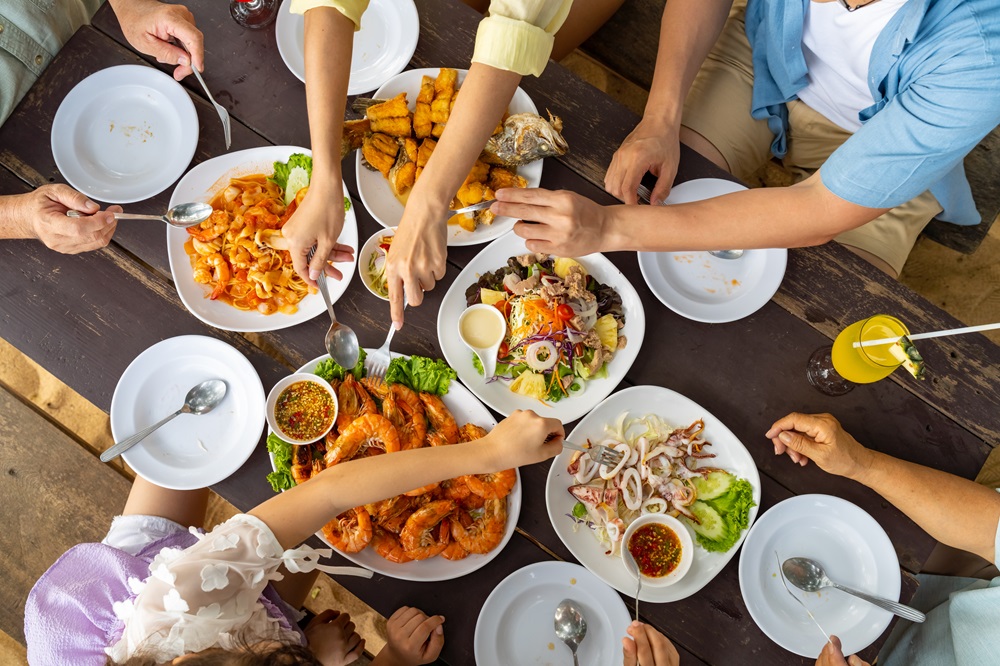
(656, 549)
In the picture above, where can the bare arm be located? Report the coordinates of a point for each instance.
(297, 513)
(329, 38)
(955, 511)
(417, 257)
(688, 30)
(186, 507)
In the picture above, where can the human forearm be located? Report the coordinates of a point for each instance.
(329, 38)
(688, 30)
(13, 222)
(955, 511)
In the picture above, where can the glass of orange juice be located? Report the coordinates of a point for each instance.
(835, 370)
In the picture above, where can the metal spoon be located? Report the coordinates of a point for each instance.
(201, 399)
(570, 626)
(341, 341)
(726, 254)
(181, 216)
(633, 569)
(808, 575)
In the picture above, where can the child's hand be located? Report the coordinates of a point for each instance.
(414, 638)
(524, 438)
(648, 647)
(333, 640)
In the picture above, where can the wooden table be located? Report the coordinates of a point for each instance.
(85, 317)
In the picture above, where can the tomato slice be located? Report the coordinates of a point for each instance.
(504, 349)
(565, 312)
(503, 307)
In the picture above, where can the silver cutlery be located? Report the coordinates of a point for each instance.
(482, 205)
(181, 216)
(800, 602)
(221, 110)
(378, 361)
(633, 568)
(570, 626)
(201, 399)
(605, 455)
(644, 196)
(808, 575)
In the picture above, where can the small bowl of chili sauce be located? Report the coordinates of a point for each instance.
(661, 546)
(301, 408)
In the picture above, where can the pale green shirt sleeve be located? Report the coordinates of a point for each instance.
(517, 35)
(352, 9)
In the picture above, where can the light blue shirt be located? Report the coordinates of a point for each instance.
(31, 34)
(962, 626)
(935, 74)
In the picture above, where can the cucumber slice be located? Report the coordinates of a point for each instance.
(714, 485)
(297, 179)
(712, 526)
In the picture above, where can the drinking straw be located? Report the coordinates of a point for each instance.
(932, 334)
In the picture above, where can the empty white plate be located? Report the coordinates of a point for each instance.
(703, 287)
(853, 549)
(515, 625)
(124, 134)
(382, 48)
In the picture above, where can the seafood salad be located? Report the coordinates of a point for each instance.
(398, 143)
(563, 326)
(454, 518)
(661, 472)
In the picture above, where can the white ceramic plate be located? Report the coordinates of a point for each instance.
(365, 256)
(496, 394)
(679, 412)
(124, 134)
(705, 288)
(200, 184)
(853, 549)
(515, 623)
(191, 451)
(383, 204)
(466, 409)
(382, 48)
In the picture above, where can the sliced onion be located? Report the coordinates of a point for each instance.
(532, 352)
(550, 279)
(631, 488)
(654, 505)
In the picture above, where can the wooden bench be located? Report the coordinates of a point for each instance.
(627, 45)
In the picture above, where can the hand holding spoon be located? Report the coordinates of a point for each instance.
(201, 399)
(181, 216)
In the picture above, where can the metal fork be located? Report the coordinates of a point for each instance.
(605, 455)
(377, 362)
(221, 110)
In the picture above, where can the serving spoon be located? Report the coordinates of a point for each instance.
(570, 626)
(181, 216)
(808, 575)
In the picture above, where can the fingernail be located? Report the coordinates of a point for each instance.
(776, 452)
(439, 630)
(183, 61)
(91, 204)
(313, 274)
(635, 623)
(769, 434)
(785, 437)
(397, 325)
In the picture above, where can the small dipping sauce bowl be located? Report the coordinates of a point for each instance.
(482, 328)
(302, 408)
(659, 543)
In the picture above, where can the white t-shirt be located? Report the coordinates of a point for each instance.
(837, 45)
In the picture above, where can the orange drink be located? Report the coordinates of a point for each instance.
(864, 365)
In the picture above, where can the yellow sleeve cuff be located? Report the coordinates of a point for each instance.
(352, 9)
(512, 45)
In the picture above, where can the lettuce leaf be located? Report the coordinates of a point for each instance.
(282, 169)
(734, 507)
(421, 374)
(328, 368)
(281, 478)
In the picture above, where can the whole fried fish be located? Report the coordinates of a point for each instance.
(526, 137)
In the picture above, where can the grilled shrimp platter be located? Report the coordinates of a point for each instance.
(438, 532)
(399, 130)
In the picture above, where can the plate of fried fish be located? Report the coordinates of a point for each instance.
(400, 129)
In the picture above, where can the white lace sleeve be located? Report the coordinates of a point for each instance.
(207, 595)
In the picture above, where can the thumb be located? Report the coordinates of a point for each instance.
(796, 441)
(662, 188)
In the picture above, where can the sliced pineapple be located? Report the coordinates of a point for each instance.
(904, 351)
(562, 265)
(607, 331)
(531, 384)
(491, 296)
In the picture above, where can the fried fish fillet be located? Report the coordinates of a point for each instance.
(391, 117)
(422, 122)
(403, 173)
(500, 178)
(444, 90)
(380, 151)
(478, 174)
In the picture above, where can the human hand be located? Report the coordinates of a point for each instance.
(150, 26)
(417, 258)
(832, 655)
(648, 647)
(524, 438)
(332, 638)
(652, 146)
(561, 223)
(42, 214)
(820, 438)
(413, 638)
(318, 221)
